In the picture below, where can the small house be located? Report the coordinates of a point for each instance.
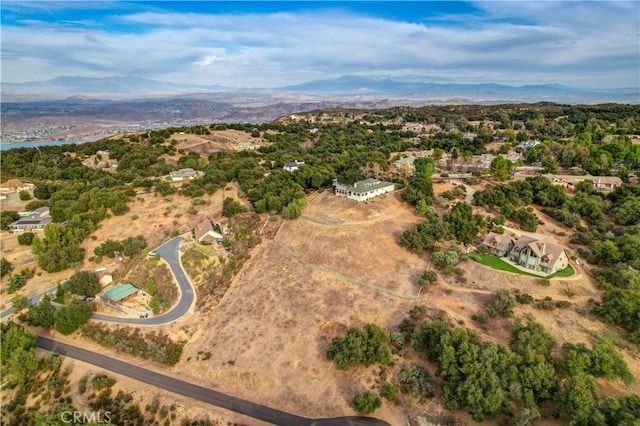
(208, 232)
(31, 221)
(292, 166)
(119, 294)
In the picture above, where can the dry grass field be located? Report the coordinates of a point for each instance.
(337, 266)
(269, 334)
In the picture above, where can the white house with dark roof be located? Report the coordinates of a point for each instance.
(364, 190)
(292, 166)
(31, 221)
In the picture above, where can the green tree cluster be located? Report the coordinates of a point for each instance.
(364, 346)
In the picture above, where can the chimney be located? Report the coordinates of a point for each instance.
(542, 247)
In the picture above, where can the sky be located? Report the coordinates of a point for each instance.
(272, 44)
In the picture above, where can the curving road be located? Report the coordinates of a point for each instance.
(248, 408)
(169, 252)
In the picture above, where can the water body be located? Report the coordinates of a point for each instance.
(6, 146)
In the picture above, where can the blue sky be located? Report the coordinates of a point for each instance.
(271, 44)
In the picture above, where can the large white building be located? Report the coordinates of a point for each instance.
(364, 190)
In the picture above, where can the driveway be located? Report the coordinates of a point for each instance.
(169, 252)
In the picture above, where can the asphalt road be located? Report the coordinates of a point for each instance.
(169, 252)
(248, 408)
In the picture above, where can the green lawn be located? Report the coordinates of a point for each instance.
(565, 273)
(64, 300)
(495, 262)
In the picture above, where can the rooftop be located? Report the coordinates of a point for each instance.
(367, 185)
(121, 291)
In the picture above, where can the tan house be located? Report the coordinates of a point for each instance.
(500, 245)
(539, 255)
(207, 232)
(606, 183)
(15, 185)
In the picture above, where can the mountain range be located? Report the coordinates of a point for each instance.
(352, 87)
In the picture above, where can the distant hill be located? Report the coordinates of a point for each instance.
(97, 88)
(487, 92)
(345, 88)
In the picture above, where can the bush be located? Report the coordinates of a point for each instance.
(524, 299)
(546, 305)
(415, 381)
(428, 278)
(563, 304)
(389, 391)
(397, 339)
(102, 381)
(366, 402)
(26, 238)
(360, 346)
(501, 304)
(230, 207)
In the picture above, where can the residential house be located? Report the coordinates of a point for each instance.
(183, 174)
(208, 232)
(15, 185)
(485, 160)
(513, 156)
(406, 164)
(539, 255)
(31, 221)
(500, 245)
(364, 190)
(528, 144)
(119, 294)
(606, 183)
(292, 166)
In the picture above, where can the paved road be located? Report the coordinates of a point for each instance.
(169, 252)
(210, 396)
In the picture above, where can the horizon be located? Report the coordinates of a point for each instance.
(277, 44)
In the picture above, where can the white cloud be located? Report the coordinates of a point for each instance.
(589, 44)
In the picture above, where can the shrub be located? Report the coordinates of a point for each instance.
(102, 381)
(26, 238)
(428, 278)
(501, 304)
(547, 304)
(397, 339)
(389, 391)
(415, 381)
(366, 402)
(524, 299)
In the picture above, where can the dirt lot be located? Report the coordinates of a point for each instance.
(218, 141)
